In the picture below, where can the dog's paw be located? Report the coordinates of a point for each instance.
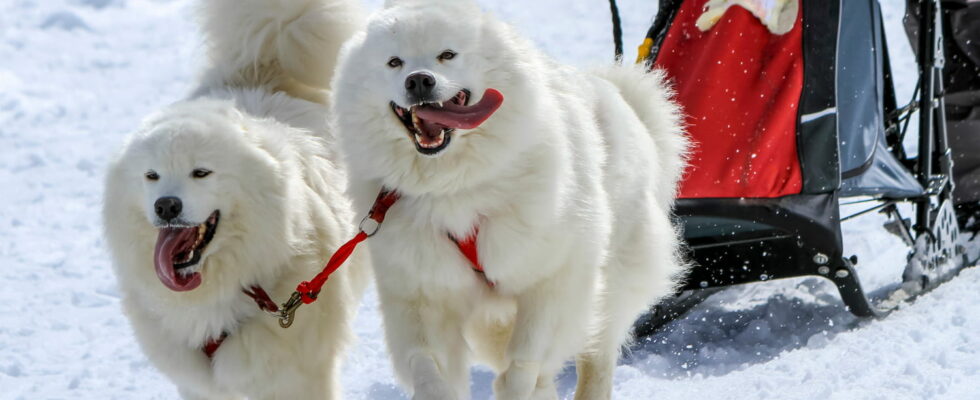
(517, 382)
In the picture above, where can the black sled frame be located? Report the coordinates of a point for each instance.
(737, 241)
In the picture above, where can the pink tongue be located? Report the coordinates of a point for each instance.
(171, 241)
(431, 130)
(453, 115)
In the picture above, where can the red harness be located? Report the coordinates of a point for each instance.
(307, 291)
(262, 300)
(467, 246)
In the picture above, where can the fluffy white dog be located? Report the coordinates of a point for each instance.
(232, 194)
(525, 235)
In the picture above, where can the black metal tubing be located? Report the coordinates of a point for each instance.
(933, 145)
(617, 31)
(927, 51)
(881, 204)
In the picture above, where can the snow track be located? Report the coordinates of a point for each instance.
(77, 75)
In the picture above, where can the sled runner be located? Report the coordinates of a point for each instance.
(792, 112)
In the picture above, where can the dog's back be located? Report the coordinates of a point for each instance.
(276, 58)
(281, 45)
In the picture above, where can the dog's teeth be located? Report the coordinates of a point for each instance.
(190, 256)
(438, 141)
(415, 120)
(440, 104)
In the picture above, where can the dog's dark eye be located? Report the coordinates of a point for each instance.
(151, 175)
(200, 173)
(395, 62)
(447, 55)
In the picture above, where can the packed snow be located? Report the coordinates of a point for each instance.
(77, 75)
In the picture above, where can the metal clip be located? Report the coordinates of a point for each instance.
(287, 313)
(366, 227)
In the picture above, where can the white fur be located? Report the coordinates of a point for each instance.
(570, 182)
(281, 202)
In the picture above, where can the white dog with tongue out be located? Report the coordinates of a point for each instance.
(221, 204)
(532, 226)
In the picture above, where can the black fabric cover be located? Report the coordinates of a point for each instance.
(817, 130)
(963, 99)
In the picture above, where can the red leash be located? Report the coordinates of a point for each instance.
(307, 291)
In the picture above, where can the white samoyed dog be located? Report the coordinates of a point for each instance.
(220, 204)
(533, 222)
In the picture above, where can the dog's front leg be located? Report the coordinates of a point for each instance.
(427, 346)
(427, 381)
(552, 324)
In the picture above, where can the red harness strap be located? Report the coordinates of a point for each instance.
(308, 290)
(212, 345)
(262, 300)
(467, 246)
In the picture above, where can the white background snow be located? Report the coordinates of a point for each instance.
(77, 75)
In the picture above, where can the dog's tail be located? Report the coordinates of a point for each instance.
(652, 100)
(290, 45)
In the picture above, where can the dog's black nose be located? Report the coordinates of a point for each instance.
(420, 85)
(167, 208)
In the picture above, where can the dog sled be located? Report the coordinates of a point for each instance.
(793, 115)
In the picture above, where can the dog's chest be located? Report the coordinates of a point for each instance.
(425, 245)
(199, 323)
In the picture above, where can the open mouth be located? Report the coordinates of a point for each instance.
(431, 125)
(178, 252)
(429, 138)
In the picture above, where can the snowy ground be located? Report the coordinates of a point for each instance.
(77, 75)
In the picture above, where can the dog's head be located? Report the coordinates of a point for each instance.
(417, 94)
(191, 186)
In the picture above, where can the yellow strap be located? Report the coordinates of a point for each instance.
(644, 50)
